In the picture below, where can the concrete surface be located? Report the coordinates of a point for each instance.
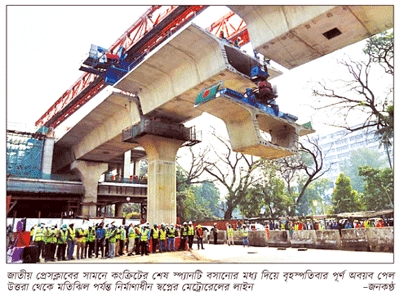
(239, 254)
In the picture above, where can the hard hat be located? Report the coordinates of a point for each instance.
(215, 223)
(198, 226)
(172, 224)
(162, 224)
(184, 223)
(155, 224)
(190, 222)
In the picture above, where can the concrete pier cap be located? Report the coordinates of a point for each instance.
(90, 173)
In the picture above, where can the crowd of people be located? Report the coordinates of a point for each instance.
(74, 242)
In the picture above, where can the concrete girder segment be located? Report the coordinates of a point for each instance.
(169, 78)
(97, 137)
(254, 132)
(294, 35)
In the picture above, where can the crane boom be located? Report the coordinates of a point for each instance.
(156, 24)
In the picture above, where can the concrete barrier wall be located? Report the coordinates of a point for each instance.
(354, 239)
(359, 239)
(303, 238)
(258, 238)
(380, 239)
(221, 237)
(279, 238)
(327, 239)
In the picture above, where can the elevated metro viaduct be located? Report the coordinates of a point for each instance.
(167, 81)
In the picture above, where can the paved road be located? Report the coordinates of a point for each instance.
(232, 254)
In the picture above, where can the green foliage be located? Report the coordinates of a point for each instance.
(315, 199)
(344, 198)
(195, 202)
(378, 188)
(358, 158)
(269, 192)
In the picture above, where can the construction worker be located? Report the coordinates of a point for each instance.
(215, 233)
(117, 241)
(106, 240)
(80, 242)
(144, 240)
(184, 234)
(163, 235)
(171, 238)
(62, 242)
(131, 239)
(122, 240)
(90, 241)
(38, 236)
(230, 235)
(245, 236)
(71, 241)
(100, 240)
(190, 235)
(137, 239)
(199, 235)
(48, 240)
(154, 234)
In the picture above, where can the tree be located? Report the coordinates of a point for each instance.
(358, 158)
(234, 171)
(207, 194)
(364, 95)
(378, 188)
(315, 198)
(268, 192)
(307, 165)
(344, 198)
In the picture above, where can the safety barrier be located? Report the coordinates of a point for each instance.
(221, 237)
(279, 238)
(258, 238)
(327, 239)
(380, 239)
(354, 239)
(303, 238)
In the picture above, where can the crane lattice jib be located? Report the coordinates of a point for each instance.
(157, 23)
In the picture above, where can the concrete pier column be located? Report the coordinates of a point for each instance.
(119, 210)
(90, 173)
(161, 186)
(127, 164)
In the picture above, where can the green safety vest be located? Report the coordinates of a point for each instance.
(86, 232)
(184, 231)
(113, 236)
(131, 233)
(39, 237)
(118, 234)
(71, 233)
(245, 232)
(191, 230)
(91, 235)
(144, 235)
(155, 233)
(107, 235)
(162, 234)
(230, 231)
(135, 235)
(171, 232)
(62, 236)
(48, 238)
(123, 235)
